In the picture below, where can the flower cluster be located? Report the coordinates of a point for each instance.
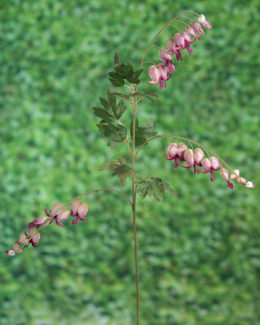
(58, 213)
(196, 158)
(162, 72)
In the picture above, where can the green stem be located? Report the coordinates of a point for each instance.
(101, 190)
(134, 105)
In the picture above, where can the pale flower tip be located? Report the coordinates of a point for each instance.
(250, 185)
(235, 174)
(10, 252)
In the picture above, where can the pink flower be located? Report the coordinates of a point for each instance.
(197, 27)
(78, 210)
(189, 158)
(210, 165)
(198, 156)
(33, 238)
(54, 210)
(60, 217)
(190, 30)
(166, 58)
(176, 44)
(204, 22)
(187, 41)
(172, 151)
(158, 74)
(38, 222)
(224, 174)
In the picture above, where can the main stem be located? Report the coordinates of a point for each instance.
(134, 104)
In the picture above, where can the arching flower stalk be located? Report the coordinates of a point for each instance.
(112, 126)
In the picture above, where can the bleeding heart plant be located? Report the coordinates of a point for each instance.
(110, 112)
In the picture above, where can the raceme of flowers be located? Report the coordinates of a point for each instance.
(196, 158)
(161, 72)
(59, 214)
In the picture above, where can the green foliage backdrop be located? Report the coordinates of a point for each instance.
(198, 256)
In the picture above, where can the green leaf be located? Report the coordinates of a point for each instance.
(120, 109)
(143, 132)
(116, 132)
(120, 169)
(103, 114)
(153, 187)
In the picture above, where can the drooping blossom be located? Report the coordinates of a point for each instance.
(175, 151)
(204, 22)
(10, 252)
(78, 210)
(166, 58)
(189, 158)
(33, 237)
(58, 213)
(198, 156)
(158, 74)
(60, 217)
(197, 27)
(54, 210)
(225, 175)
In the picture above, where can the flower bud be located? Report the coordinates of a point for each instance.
(198, 155)
(188, 156)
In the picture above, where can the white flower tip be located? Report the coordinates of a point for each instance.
(250, 185)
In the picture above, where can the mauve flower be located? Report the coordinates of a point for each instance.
(205, 163)
(38, 222)
(60, 217)
(224, 174)
(204, 22)
(166, 58)
(78, 210)
(33, 236)
(58, 213)
(22, 239)
(54, 210)
(189, 158)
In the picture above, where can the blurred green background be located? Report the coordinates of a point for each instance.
(198, 256)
